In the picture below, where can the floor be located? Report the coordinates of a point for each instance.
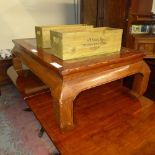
(19, 129)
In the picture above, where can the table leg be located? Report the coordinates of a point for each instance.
(63, 107)
(141, 79)
(17, 64)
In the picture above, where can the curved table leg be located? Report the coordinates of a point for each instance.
(63, 106)
(141, 80)
(17, 64)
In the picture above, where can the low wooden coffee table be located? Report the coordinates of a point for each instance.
(68, 78)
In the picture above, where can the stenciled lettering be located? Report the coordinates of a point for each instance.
(94, 42)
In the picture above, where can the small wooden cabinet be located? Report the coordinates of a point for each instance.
(4, 65)
(140, 31)
(146, 44)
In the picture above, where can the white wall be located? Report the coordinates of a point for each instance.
(153, 6)
(18, 17)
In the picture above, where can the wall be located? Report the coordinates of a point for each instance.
(153, 6)
(18, 17)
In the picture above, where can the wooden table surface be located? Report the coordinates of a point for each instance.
(110, 122)
(126, 56)
(68, 78)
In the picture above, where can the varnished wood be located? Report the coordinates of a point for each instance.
(30, 85)
(4, 65)
(140, 13)
(109, 121)
(109, 13)
(25, 46)
(138, 19)
(27, 83)
(151, 85)
(80, 74)
(141, 6)
(88, 12)
(17, 64)
(145, 43)
(101, 12)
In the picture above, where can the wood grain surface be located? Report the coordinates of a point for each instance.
(109, 121)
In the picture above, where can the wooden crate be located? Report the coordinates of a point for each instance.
(43, 33)
(70, 44)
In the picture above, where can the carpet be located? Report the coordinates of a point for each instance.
(19, 129)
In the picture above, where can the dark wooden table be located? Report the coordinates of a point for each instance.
(68, 78)
(4, 65)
